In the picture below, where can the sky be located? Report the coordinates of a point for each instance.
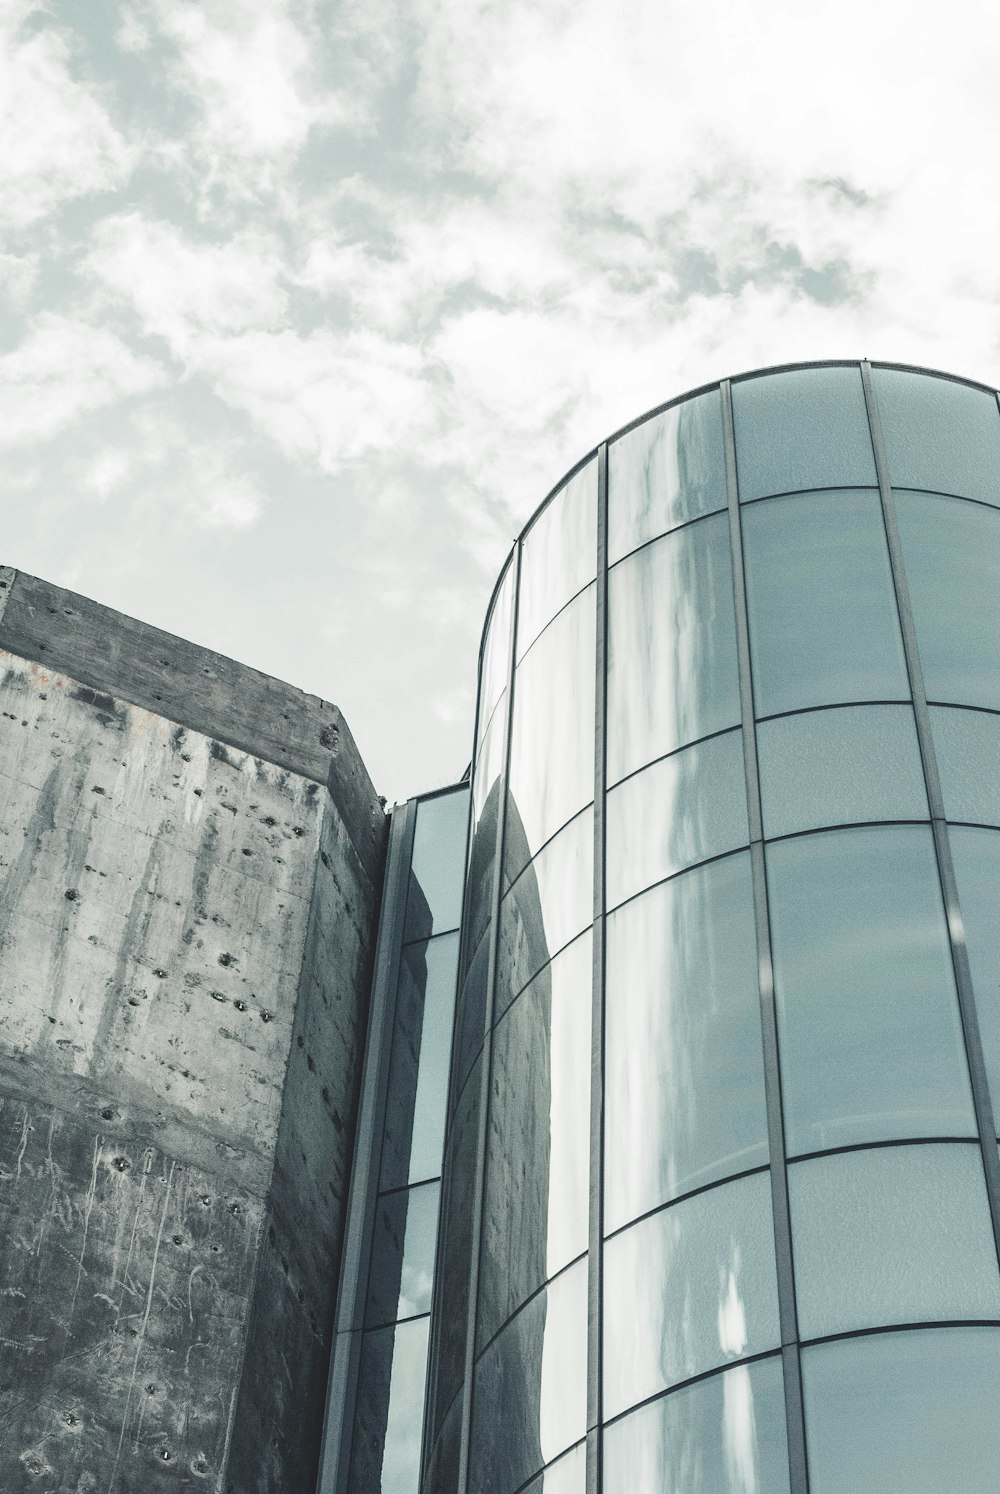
(304, 307)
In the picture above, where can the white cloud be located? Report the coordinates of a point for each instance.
(332, 398)
(63, 369)
(184, 290)
(57, 140)
(250, 68)
(166, 478)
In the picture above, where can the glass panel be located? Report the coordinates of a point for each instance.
(552, 741)
(683, 809)
(530, 1387)
(915, 1413)
(900, 1234)
(550, 903)
(402, 1265)
(868, 1022)
(455, 1255)
(567, 1476)
(421, 1053)
(840, 767)
(470, 1024)
(807, 428)
(968, 753)
(443, 1463)
(558, 555)
(976, 854)
(672, 673)
(385, 1457)
(684, 1069)
(437, 870)
(485, 805)
(535, 1209)
(669, 469)
(952, 552)
(496, 652)
(724, 1435)
(713, 1253)
(823, 623)
(939, 435)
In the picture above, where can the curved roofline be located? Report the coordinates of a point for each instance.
(680, 399)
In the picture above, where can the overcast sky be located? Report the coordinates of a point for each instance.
(305, 306)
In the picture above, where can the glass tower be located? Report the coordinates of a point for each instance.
(720, 1198)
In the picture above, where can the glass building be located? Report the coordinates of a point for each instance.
(693, 1187)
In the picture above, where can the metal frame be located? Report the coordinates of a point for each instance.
(788, 1321)
(595, 1269)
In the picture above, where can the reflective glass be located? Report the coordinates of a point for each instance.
(552, 740)
(455, 1255)
(672, 673)
(807, 428)
(667, 470)
(684, 1069)
(550, 903)
(898, 1234)
(967, 744)
(437, 869)
(840, 767)
(683, 809)
(470, 1022)
(952, 554)
(713, 1253)
(868, 1022)
(421, 1053)
(496, 653)
(402, 1264)
(558, 555)
(530, 1387)
(939, 435)
(976, 855)
(385, 1457)
(904, 1413)
(485, 807)
(535, 1208)
(724, 1435)
(566, 1476)
(823, 623)
(443, 1463)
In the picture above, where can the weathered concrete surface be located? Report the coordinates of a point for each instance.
(185, 935)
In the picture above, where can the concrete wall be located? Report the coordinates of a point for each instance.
(190, 865)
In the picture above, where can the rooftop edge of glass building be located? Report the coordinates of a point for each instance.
(721, 1189)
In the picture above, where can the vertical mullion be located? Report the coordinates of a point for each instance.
(794, 1415)
(595, 1276)
(486, 1076)
(942, 845)
(359, 1225)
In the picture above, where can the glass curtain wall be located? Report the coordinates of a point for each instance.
(722, 1192)
(406, 1079)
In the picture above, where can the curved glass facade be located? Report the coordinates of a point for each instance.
(721, 1191)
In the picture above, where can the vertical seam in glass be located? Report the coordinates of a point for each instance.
(335, 1456)
(486, 1079)
(595, 1274)
(942, 844)
(794, 1414)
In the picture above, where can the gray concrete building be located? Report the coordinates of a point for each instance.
(191, 861)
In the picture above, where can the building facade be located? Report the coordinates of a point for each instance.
(663, 1156)
(721, 1193)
